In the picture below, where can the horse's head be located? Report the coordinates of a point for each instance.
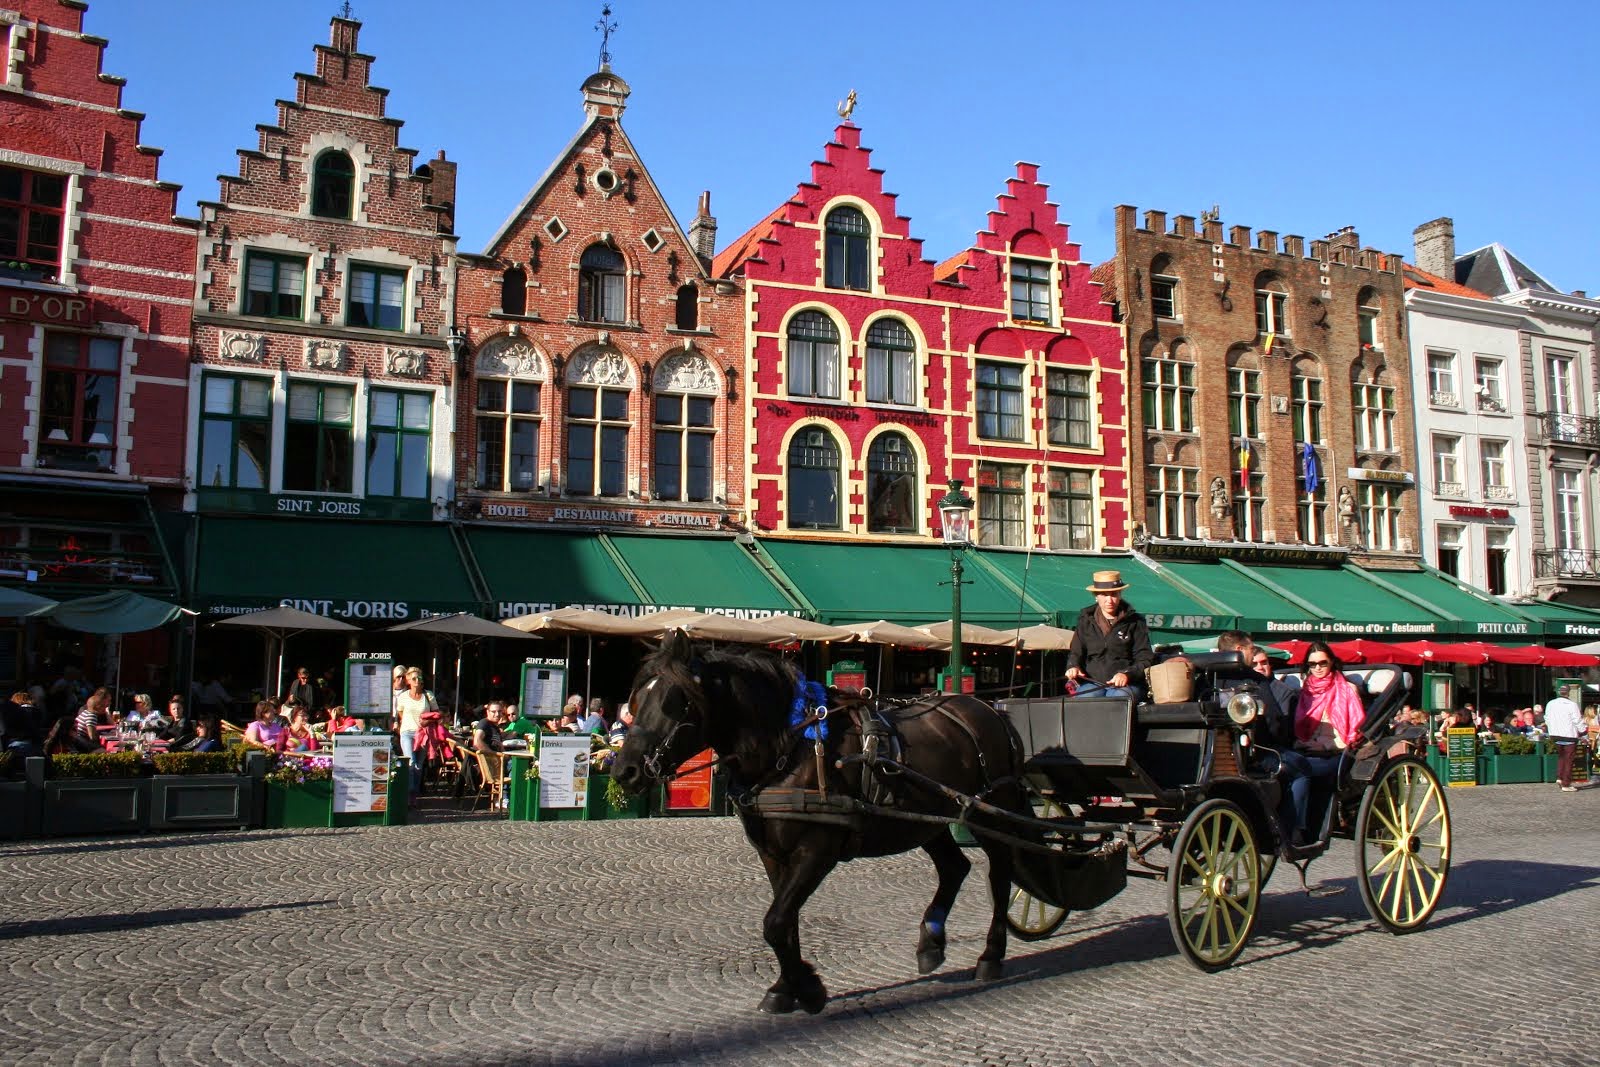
(670, 716)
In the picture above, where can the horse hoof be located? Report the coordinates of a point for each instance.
(814, 1000)
(928, 962)
(989, 970)
(778, 1004)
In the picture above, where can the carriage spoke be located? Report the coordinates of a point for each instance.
(1383, 817)
(1390, 855)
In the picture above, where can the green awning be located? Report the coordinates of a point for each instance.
(113, 613)
(1059, 582)
(901, 583)
(1229, 586)
(1470, 613)
(1561, 620)
(1342, 604)
(355, 571)
(704, 573)
(529, 571)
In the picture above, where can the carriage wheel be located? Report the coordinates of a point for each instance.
(1214, 884)
(1403, 845)
(1030, 918)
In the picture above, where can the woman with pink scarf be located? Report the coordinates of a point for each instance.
(1327, 721)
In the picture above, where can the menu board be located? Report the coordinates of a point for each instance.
(360, 772)
(369, 684)
(692, 791)
(544, 681)
(563, 771)
(1461, 750)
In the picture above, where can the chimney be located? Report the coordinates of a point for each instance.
(703, 231)
(441, 192)
(1435, 244)
(345, 32)
(1345, 237)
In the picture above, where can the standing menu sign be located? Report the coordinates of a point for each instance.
(563, 771)
(360, 772)
(1461, 750)
(691, 789)
(543, 683)
(369, 684)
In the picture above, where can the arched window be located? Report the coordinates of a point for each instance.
(1272, 305)
(891, 485)
(333, 181)
(508, 376)
(1169, 388)
(813, 367)
(514, 291)
(685, 393)
(891, 363)
(602, 290)
(813, 493)
(847, 255)
(687, 311)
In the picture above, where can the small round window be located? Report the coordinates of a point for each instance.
(605, 179)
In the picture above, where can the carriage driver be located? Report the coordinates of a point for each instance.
(1110, 643)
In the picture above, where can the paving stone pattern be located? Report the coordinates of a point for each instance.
(484, 942)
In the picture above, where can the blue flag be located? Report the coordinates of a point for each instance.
(1310, 469)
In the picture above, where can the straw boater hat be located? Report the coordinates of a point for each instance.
(1107, 582)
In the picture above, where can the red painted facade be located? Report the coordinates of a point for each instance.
(875, 380)
(603, 365)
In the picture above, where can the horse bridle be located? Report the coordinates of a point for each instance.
(652, 761)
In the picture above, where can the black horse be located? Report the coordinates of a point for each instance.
(743, 706)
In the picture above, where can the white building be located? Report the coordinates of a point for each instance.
(1552, 427)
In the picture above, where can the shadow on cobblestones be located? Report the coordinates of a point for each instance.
(139, 920)
(1490, 887)
(86, 845)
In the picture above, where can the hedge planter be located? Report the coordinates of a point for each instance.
(96, 806)
(1512, 770)
(597, 806)
(201, 801)
(19, 810)
(307, 804)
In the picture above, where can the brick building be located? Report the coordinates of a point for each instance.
(603, 366)
(1259, 364)
(96, 277)
(876, 375)
(323, 360)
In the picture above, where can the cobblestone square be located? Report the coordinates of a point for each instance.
(485, 942)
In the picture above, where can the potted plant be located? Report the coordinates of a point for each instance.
(96, 793)
(1514, 760)
(606, 798)
(200, 790)
(300, 792)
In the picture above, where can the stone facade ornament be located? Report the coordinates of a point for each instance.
(326, 355)
(508, 358)
(686, 372)
(1219, 498)
(405, 362)
(599, 366)
(243, 347)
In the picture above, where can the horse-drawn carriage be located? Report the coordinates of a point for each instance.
(1067, 798)
(1192, 789)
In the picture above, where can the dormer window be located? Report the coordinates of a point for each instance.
(602, 286)
(848, 251)
(1030, 290)
(333, 181)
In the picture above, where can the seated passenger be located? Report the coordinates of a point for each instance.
(1110, 644)
(1274, 695)
(1327, 721)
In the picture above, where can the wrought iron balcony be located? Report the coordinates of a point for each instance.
(1567, 563)
(1499, 492)
(1441, 399)
(1457, 490)
(1562, 429)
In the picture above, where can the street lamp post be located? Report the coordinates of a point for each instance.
(955, 514)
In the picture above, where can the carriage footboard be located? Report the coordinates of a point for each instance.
(1075, 879)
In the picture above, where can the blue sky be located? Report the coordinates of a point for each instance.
(1296, 118)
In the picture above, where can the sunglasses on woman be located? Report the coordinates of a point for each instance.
(1319, 663)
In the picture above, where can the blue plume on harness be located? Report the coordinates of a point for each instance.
(808, 696)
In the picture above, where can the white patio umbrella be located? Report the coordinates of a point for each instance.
(461, 629)
(971, 633)
(283, 623)
(884, 632)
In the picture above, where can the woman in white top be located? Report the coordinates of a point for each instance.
(409, 705)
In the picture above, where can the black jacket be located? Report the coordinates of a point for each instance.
(1102, 653)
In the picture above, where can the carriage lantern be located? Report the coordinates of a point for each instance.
(955, 515)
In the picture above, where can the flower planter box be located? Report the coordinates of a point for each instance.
(96, 806)
(1512, 770)
(1547, 763)
(307, 804)
(201, 801)
(598, 807)
(19, 810)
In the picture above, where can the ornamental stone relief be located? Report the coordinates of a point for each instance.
(506, 358)
(243, 347)
(326, 355)
(405, 362)
(599, 366)
(686, 372)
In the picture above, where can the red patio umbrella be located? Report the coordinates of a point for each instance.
(1296, 648)
(1362, 650)
(1560, 657)
(1472, 653)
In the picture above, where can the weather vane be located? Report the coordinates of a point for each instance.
(847, 106)
(605, 27)
(345, 11)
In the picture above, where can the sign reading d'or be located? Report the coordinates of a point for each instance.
(44, 306)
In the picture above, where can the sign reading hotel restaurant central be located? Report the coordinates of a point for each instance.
(538, 512)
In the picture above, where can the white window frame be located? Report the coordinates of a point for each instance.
(1450, 536)
(1442, 391)
(1490, 387)
(1178, 486)
(1492, 468)
(1367, 328)
(1447, 480)
(1160, 386)
(1378, 505)
(1374, 422)
(1272, 313)
(1173, 286)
